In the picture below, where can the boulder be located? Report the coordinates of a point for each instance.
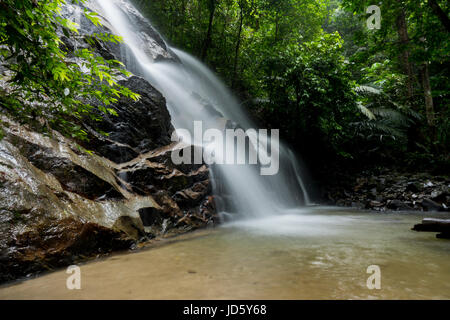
(440, 195)
(413, 187)
(434, 225)
(430, 205)
(141, 126)
(51, 244)
(398, 205)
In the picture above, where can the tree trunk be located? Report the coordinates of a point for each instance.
(277, 21)
(183, 20)
(429, 107)
(402, 30)
(403, 37)
(238, 44)
(212, 10)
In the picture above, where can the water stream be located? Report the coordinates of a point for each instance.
(194, 93)
(318, 253)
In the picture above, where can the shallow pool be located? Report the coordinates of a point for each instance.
(311, 253)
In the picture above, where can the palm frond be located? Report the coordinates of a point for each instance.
(366, 111)
(368, 89)
(392, 116)
(371, 129)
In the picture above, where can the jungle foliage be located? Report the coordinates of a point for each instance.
(48, 83)
(337, 89)
(315, 70)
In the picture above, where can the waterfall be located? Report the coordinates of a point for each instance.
(194, 93)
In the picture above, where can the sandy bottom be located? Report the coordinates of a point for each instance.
(319, 253)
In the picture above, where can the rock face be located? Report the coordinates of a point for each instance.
(148, 38)
(60, 204)
(182, 191)
(140, 126)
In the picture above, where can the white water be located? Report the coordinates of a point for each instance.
(194, 93)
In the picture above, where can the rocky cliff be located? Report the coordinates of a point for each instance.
(61, 204)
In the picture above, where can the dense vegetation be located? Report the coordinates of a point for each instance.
(338, 90)
(49, 84)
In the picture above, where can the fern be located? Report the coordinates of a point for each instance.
(368, 89)
(383, 116)
(366, 111)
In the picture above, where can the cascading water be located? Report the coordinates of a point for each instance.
(194, 93)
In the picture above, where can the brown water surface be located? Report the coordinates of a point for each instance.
(319, 253)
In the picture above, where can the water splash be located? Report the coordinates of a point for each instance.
(194, 93)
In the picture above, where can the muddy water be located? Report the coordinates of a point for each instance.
(319, 253)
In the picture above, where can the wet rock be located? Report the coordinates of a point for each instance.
(181, 190)
(141, 126)
(398, 205)
(428, 184)
(43, 186)
(441, 195)
(43, 224)
(413, 187)
(376, 204)
(71, 176)
(148, 38)
(192, 196)
(208, 207)
(47, 246)
(430, 205)
(133, 227)
(153, 44)
(151, 177)
(357, 204)
(434, 225)
(151, 216)
(390, 190)
(156, 171)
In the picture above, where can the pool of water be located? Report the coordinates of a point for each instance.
(313, 253)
